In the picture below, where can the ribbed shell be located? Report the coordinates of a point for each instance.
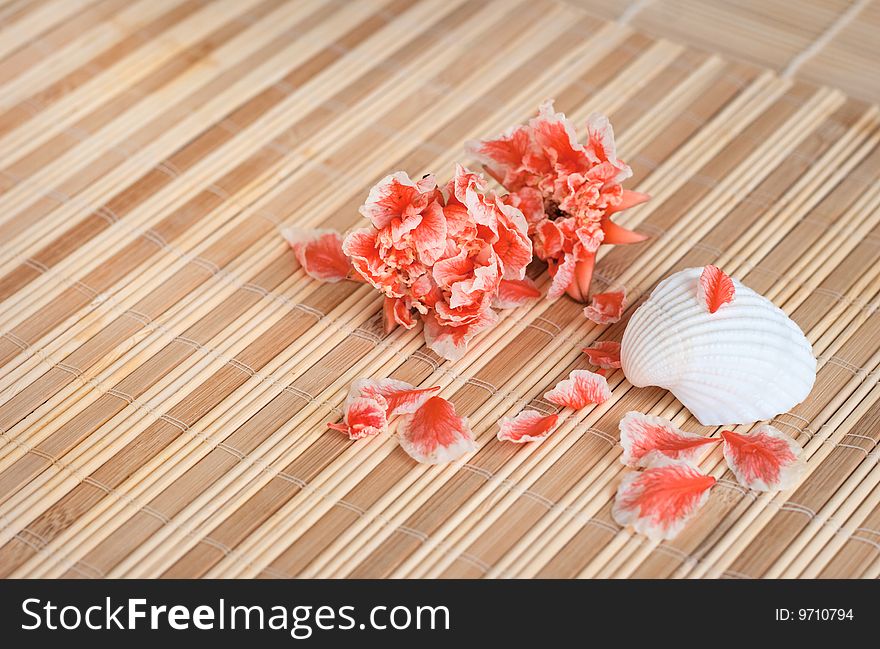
(744, 363)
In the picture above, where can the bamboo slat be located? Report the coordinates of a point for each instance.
(167, 369)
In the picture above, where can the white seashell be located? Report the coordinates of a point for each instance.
(746, 362)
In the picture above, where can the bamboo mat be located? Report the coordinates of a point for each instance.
(168, 370)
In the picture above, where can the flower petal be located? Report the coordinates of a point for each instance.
(395, 312)
(600, 143)
(606, 308)
(394, 197)
(765, 459)
(641, 435)
(659, 501)
(429, 236)
(716, 288)
(451, 341)
(619, 235)
(581, 388)
(605, 354)
(579, 288)
(514, 293)
(435, 433)
(363, 417)
(563, 276)
(398, 396)
(319, 252)
(527, 426)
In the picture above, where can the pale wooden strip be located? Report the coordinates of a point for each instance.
(33, 23)
(136, 130)
(49, 122)
(58, 62)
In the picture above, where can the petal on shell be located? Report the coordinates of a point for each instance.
(659, 501)
(765, 459)
(716, 288)
(363, 417)
(319, 252)
(641, 435)
(513, 293)
(606, 308)
(399, 397)
(604, 353)
(527, 426)
(580, 389)
(435, 433)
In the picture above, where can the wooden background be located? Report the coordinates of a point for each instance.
(167, 370)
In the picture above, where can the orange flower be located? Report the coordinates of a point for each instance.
(446, 257)
(567, 190)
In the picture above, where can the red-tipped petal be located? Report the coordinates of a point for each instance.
(716, 288)
(319, 252)
(606, 308)
(364, 417)
(604, 353)
(399, 396)
(527, 426)
(619, 235)
(435, 433)
(641, 435)
(765, 459)
(581, 388)
(659, 501)
(513, 293)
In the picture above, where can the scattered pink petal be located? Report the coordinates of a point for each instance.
(659, 501)
(363, 417)
(606, 308)
(319, 252)
(716, 288)
(514, 293)
(765, 459)
(604, 354)
(581, 388)
(400, 396)
(641, 435)
(527, 426)
(435, 433)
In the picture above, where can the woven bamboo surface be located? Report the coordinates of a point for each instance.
(168, 370)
